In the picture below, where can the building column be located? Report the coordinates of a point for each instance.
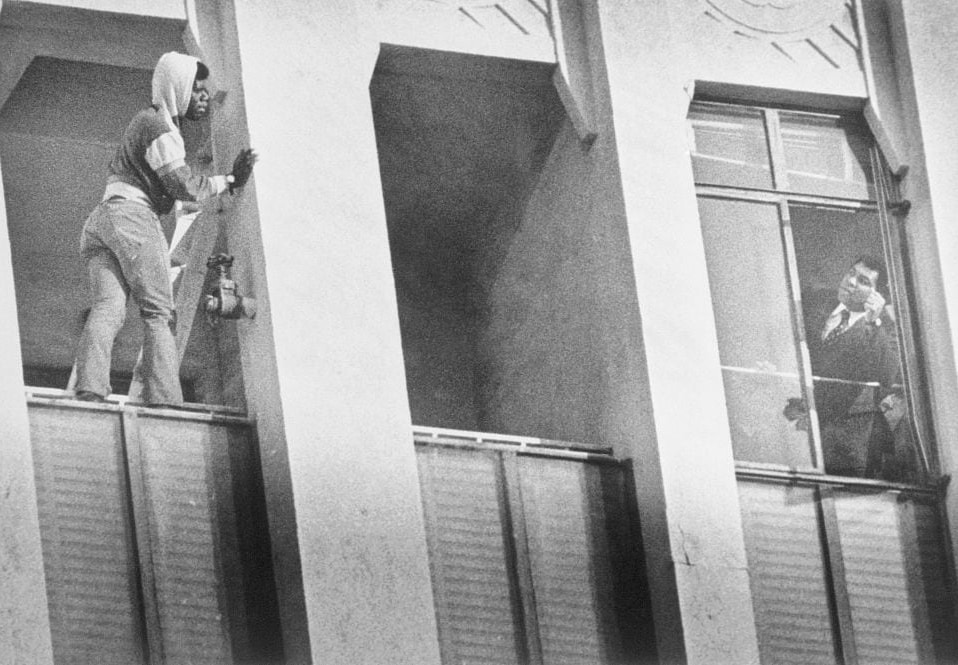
(924, 37)
(322, 361)
(24, 614)
(685, 474)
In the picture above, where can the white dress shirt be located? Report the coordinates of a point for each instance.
(836, 317)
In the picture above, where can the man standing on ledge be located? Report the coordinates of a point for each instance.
(123, 243)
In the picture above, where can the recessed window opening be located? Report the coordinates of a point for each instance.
(822, 385)
(461, 142)
(813, 315)
(58, 130)
(471, 154)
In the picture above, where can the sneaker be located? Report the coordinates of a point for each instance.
(88, 396)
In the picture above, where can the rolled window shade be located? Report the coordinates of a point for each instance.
(787, 573)
(471, 568)
(87, 538)
(894, 565)
(567, 519)
(177, 465)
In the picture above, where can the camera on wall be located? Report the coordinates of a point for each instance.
(223, 302)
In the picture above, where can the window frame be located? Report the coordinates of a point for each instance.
(887, 204)
(847, 616)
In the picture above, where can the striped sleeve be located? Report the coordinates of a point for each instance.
(182, 185)
(166, 153)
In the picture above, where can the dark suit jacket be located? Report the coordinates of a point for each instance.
(864, 352)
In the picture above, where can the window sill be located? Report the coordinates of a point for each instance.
(53, 397)
(749, 471)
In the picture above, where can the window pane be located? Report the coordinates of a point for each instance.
(859, 396)
(827, 156)
(787, 573)
(729, 146)
(750, 299)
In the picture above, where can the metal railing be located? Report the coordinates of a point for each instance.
(524, 445)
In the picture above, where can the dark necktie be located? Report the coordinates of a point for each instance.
(839, 329)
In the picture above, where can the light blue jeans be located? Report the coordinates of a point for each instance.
(127, 256)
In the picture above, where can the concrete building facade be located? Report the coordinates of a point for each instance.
(480, 231)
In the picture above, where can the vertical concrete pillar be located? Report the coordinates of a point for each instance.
(24, 616)
(925, 44)
(685, 474)
(323, 363)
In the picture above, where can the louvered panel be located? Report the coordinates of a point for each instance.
(86, 533)
(181, 500)
(468, 556)
(930, 567)
(571, 563)
(894, 570)
(787, 572)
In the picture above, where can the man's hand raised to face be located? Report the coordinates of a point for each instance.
(874, 304)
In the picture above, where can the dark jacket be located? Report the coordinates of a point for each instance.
(866, 351)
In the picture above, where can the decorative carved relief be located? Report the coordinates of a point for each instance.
(799, 30)
(526, 16)
(778, 18)
(510, 24)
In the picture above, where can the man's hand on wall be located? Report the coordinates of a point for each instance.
(243, 168)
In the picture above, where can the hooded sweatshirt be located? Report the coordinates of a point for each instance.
(150, 163)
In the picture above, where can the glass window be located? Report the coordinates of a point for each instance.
(847, 557)
(826, 155)
(729, 146)
(810, 325)
(757, 347)
(857, 372)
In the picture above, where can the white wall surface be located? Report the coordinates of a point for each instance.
(508, 28)
(323, 360)
(809, 47)
(684, 471)
(24, 619)
(174, 9)
(925, 45)
(558, 326)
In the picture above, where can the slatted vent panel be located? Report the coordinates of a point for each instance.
(570, 554)
(87, 537)
(787, 571)
(180, 500)
(468, 555)
(932, 579)
(894, 568)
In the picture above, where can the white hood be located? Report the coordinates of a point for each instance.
(173, 82)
